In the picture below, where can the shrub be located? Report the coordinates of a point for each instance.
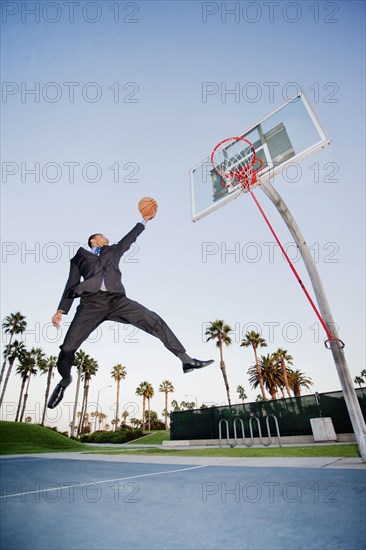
(120, 436)
(135, 434)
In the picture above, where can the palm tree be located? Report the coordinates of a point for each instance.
(149, 395)
(14, 323)
(254, 339)
(90, 368)
(30, 361)
(125, 415)
(101, 418)
(359, 380)
(219, 331)
(118, 373)
(175, 405)
(80, 358)
(187, 405)
(22, 370)
(282, 355)
(141, 392)
(16, 352)
(270, 373)
(297, 380)
(46, 367)
(136, 422)
(241, 393)
(166, 387)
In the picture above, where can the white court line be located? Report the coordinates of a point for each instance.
(100, 482)
(13, 460)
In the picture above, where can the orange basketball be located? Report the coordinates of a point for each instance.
(148, 207)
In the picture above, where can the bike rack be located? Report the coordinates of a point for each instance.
(243, 432)
(278, 436)
(227, 431)
(251, 420)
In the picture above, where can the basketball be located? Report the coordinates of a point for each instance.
(148, 207)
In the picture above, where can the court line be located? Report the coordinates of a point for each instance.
(101, 482)
(14, 460)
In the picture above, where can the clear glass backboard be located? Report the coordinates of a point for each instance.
(289, 134)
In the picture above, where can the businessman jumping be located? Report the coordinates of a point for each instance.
(103, 298)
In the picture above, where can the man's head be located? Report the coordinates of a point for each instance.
(97, 239)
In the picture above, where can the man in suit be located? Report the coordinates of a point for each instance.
(103, 298)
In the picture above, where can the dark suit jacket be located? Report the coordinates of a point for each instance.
(93, 269)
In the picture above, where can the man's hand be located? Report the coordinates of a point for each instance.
(147, 218)
(56, 319)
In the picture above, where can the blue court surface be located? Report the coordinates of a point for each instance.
(111, 503)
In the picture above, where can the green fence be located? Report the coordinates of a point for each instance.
(293, 415)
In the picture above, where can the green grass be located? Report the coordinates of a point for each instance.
(305, 451)
(21, 438)
(155, 438)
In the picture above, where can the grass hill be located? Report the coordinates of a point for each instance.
(21, 438)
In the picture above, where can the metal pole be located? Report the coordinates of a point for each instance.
(96, 412)
(353, 406)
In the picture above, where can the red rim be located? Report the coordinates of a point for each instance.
(242, 177)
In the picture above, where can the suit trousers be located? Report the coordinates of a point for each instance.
(96, 307)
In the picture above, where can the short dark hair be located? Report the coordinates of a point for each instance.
(91, 238)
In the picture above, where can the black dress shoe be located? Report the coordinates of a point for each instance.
(196, 364)
(58, 393)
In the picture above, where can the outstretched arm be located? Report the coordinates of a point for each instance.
(124, 244)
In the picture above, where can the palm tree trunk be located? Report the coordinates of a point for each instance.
(149, 422)
(166, 410)
(49, 377)
(273, 392)
(85, 411)
(223, 370)
(6, 357)
(24, 379)
(117, 405)
(86, 401)
(285, 379)
(82, 414)
(72, 428)
(6, 381)
(25, 399)
(143, 412)
(260, 377)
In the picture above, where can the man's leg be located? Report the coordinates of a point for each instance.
(128, 311)
(89, 315)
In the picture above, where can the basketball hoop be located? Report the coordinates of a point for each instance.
(235, 161)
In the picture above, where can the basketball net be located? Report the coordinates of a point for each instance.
(235, 161)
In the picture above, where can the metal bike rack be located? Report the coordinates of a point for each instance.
(227, 431)
(251, 420)
(243, 433)
(259, 431)
(277, 428)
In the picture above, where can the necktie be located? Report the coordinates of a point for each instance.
(97, 250)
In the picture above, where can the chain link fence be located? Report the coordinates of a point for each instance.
(293, 415)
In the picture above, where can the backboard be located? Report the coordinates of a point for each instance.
(288, 135)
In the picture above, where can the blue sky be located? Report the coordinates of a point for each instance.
(159, 127)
